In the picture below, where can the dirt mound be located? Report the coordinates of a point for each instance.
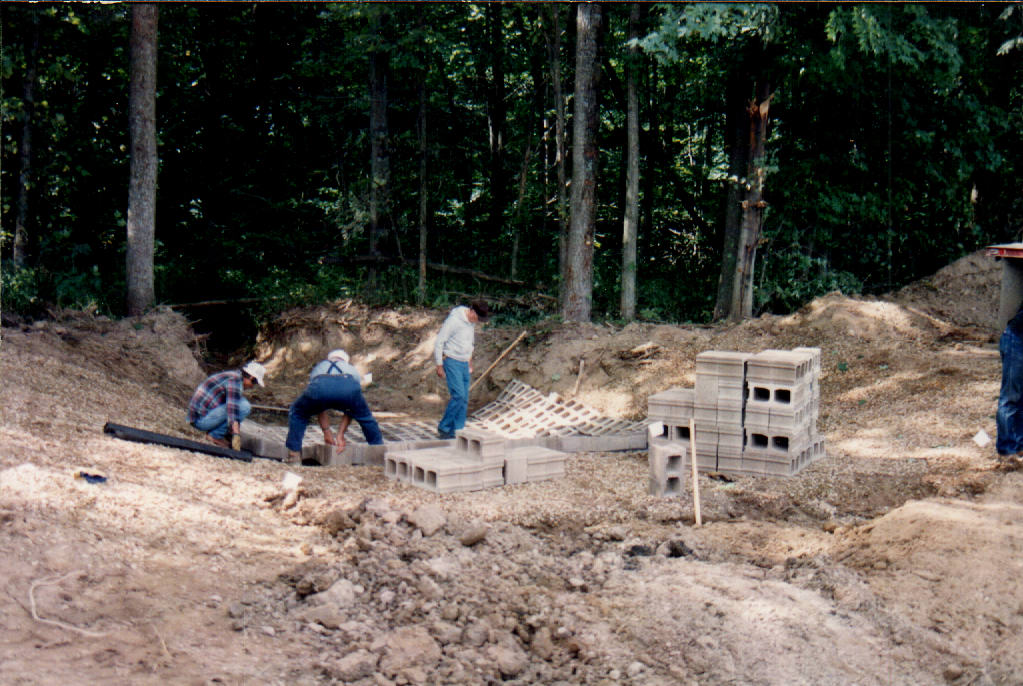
(889, 561)
(964, 294)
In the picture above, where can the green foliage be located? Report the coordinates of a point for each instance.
(893, 148)
(19, 291)
(789, 278)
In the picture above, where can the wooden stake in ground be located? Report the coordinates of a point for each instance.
(575, 389)
(696, 480)
(499, 358)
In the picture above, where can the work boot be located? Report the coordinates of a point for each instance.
(294, 457)
(222, 442)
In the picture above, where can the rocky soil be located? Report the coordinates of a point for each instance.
(894, 560)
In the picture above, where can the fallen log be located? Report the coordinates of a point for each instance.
(128, 433)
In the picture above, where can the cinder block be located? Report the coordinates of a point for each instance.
(666, 460)
(516, 468)
(705, 392)
(478, 444)
(779, 366)
(772, 394)
(672, 486)
(543, 464)
(672, 404)
(722, 363)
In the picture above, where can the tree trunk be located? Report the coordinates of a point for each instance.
(421, 291)
(516, 225)
(630, 227)
(20, 248)
(380, 162)
(497, 114)
(737, 151)
(554, 55)
(141, 226)
(752, 205)
(578, 275)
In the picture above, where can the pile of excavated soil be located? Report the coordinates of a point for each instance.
(891, 561)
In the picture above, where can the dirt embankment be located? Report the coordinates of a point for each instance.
(891, 561)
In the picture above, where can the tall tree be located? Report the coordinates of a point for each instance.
(19, 248)
(751, 224)
(553, 39)
(630, 225)
(578, 302)
(380, 154)
(141, 227)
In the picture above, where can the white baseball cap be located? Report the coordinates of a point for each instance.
(337, 356)
(256, 371)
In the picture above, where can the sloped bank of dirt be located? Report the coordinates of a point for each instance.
(892, 561)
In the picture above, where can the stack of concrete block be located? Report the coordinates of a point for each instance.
(782, 407)
(719, 399)
(477, 460)
(751, 413)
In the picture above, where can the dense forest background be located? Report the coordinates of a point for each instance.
(893, 146)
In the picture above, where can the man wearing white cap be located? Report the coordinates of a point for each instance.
(218, 404)
(334, 384)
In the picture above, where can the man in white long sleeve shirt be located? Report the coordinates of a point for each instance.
(452, 353)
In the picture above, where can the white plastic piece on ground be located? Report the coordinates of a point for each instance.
(291, 481)
(367, 379)
(982, 439)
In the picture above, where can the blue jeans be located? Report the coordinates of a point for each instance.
(457, 374)
(1010, 400)
(215, 421)
(331, 392)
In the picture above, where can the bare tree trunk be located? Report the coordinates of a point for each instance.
(752, 205)
(421, 292)
(497, 114)
(578, 277)
(141, 226)
(519, 210)
(380, 162)
(20, 248)
(554, 55)
(630, 227)
(737, 150)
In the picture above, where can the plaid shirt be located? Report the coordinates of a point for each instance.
(219, 389)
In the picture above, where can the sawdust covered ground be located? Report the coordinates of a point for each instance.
(895, 560)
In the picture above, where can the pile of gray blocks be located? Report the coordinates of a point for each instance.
(268, 441)
(521, 416)
(753, 414)
(478, 460)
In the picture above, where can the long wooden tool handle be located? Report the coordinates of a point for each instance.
(499, 358)
(696, 480)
